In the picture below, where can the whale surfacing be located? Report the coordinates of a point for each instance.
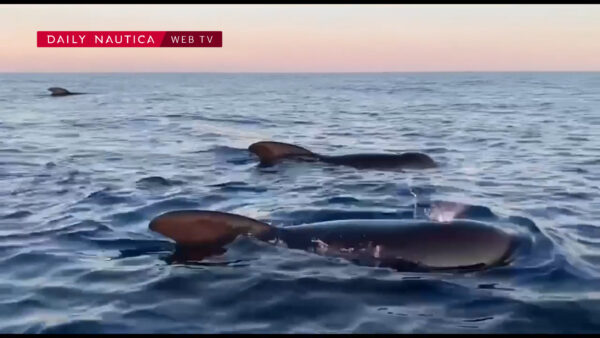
(57, 91)
(269, 153)
(405, 245)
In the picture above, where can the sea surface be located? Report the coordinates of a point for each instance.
(81, 177)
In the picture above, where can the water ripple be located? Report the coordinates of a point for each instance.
(82, 177)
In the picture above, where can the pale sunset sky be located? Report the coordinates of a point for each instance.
(314, 38)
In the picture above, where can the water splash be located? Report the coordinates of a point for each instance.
(416, 202)
(445, 212)
(411, 190)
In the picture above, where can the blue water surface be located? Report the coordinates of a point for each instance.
(81, 177)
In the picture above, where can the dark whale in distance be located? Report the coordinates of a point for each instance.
(405, 245)
(57, 91)
(270, 153)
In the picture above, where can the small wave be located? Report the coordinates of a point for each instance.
(577, 138)
(156, 181)
(234, 186)
(17, 163)
(585, 230)
(341, 200)
(147, 212)
(424, 107)
(105, 197)
(17, 214)
(85, 326)
(322, 215)
(61, 230)
(223, 150)
(253, 121)
(411, 90)
(74, 177)
(11, 151)
(469, 83)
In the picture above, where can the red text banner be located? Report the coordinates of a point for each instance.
(129, 39)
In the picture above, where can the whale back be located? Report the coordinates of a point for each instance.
(410, 160)
(406, 244)
(270, 153)
(57, 91)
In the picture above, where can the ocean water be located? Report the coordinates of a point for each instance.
(81, 177)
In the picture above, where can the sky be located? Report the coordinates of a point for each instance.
(314, 38)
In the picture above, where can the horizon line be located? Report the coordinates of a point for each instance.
(300, 72)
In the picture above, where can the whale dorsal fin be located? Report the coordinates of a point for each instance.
(208, 228)
(58, 91)
(270, 152)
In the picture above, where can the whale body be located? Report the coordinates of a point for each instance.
(57, 91)
(405, 245)
(270, 153)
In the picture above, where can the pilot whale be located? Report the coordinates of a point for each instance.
(57, 91)
(404, 245)
(270, 153)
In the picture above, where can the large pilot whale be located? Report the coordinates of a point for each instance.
(404, 245)
(57, 91)
(270, 153)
